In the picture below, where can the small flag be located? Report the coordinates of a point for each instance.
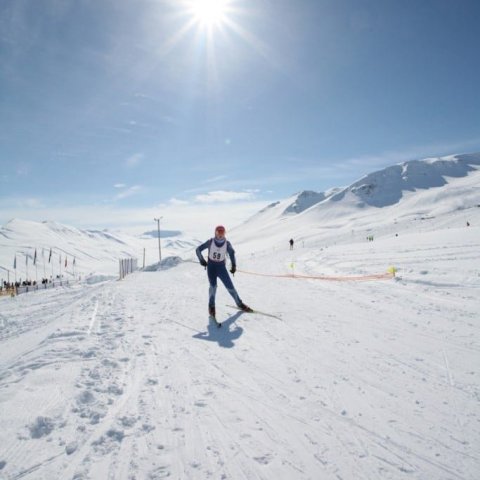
(393, 270)
(65, 262)
(26, 260)
(74, 261)
(35, 257)
(60, 259)
(15, 263)
(50, 256)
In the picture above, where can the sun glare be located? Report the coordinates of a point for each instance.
(209, 12)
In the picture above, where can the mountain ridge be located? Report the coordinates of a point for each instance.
(403, 177)
(399, 194)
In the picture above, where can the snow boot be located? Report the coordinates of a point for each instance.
(211, 311)
(245, 308)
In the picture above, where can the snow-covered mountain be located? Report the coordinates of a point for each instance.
(306, 199)
(389, 186)
(95, 251)
(295, 204)
(445, 189)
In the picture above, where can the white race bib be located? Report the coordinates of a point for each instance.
(217, 254)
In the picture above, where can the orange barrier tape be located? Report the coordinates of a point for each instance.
(357, 278)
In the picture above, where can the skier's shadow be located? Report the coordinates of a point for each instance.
(224, 336)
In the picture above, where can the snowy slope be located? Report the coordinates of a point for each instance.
(282, 210)
(307, 199)
(95, 252)
(354, 379)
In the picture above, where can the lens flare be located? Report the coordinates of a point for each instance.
(209, 12)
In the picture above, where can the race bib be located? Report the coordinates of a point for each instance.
(217, 254)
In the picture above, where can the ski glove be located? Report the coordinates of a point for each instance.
(203, 263)
(233, 269)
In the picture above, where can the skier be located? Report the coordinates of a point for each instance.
(291, 244)
(218, 247)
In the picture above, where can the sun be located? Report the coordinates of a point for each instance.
(209, 13)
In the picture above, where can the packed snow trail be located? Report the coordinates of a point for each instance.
(128, 379)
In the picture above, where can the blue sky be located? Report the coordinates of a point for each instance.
(115, 111)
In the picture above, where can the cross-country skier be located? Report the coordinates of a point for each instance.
(218, 247)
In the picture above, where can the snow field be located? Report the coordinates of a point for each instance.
(355, 380)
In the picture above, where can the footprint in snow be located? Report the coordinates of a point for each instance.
(127, 422)
(264, 459)
(115, 390)
(71, 448)
(85, 398)
(41, 427)
(158, 473)
(146, 427)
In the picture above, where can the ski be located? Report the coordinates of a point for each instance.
(255, 311)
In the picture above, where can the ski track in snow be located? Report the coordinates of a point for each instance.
(127, 380)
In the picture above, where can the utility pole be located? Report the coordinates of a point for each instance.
(159, 246)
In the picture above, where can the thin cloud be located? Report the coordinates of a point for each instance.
(176, 201)
(23, 170)
(215, 179)
(417, 152)
(129, 192)
(224, 196)
(119, 185)
(168, 119)
(192, 219)
(31, 203)
(21, 203)
(134, 160)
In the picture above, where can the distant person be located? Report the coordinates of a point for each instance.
(218, 247)
(468, 224)
(291, 244)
